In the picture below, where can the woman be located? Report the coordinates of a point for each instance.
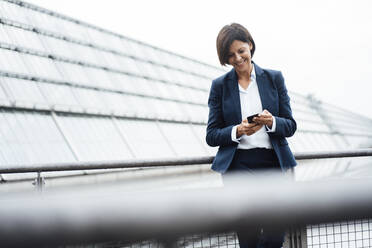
(244, 91)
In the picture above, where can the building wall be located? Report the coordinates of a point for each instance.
(70, 91)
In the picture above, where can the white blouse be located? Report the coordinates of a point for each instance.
(250, 103)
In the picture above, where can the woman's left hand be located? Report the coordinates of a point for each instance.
(265, 118)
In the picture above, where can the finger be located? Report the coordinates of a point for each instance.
(256, 128)
(253, 124)
(251, 131)
(245, 125)
(260, 120)
(268, 113)
(265, 113)
(265, 117)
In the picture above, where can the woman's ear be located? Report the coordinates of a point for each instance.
(250, 46)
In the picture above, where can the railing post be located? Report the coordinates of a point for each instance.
(295, 238)
(303, 235)
(39, 182)
(288, 240)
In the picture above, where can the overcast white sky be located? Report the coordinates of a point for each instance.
(323, 47)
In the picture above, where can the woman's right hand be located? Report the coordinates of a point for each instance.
(247, 128)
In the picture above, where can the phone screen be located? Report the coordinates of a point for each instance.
(250, 118)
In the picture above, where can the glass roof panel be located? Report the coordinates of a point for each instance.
(146, 139)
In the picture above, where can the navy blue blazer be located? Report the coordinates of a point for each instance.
(225, 112)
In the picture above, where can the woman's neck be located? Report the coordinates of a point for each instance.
(245, 75)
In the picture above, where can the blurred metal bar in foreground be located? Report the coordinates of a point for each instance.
(365, 152)
(105, 214)
(136, 163)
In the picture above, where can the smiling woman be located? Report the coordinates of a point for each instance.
(253, 146)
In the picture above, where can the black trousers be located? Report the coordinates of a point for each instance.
(253, 161)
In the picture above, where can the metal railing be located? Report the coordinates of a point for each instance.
(137, 163)
(102, 213)
(74, 217)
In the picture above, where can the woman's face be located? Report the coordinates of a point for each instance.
(240, 56)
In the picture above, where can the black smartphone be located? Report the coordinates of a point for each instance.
(250, 118)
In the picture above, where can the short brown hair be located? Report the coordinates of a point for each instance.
(226, 37)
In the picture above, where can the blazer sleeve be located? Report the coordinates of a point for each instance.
(285, 124)
(218, 134)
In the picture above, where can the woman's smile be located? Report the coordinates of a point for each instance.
(240, 63)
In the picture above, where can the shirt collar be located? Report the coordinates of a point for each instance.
(253, 81)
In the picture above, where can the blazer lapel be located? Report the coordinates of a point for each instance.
(262, 87)
(235, 97)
